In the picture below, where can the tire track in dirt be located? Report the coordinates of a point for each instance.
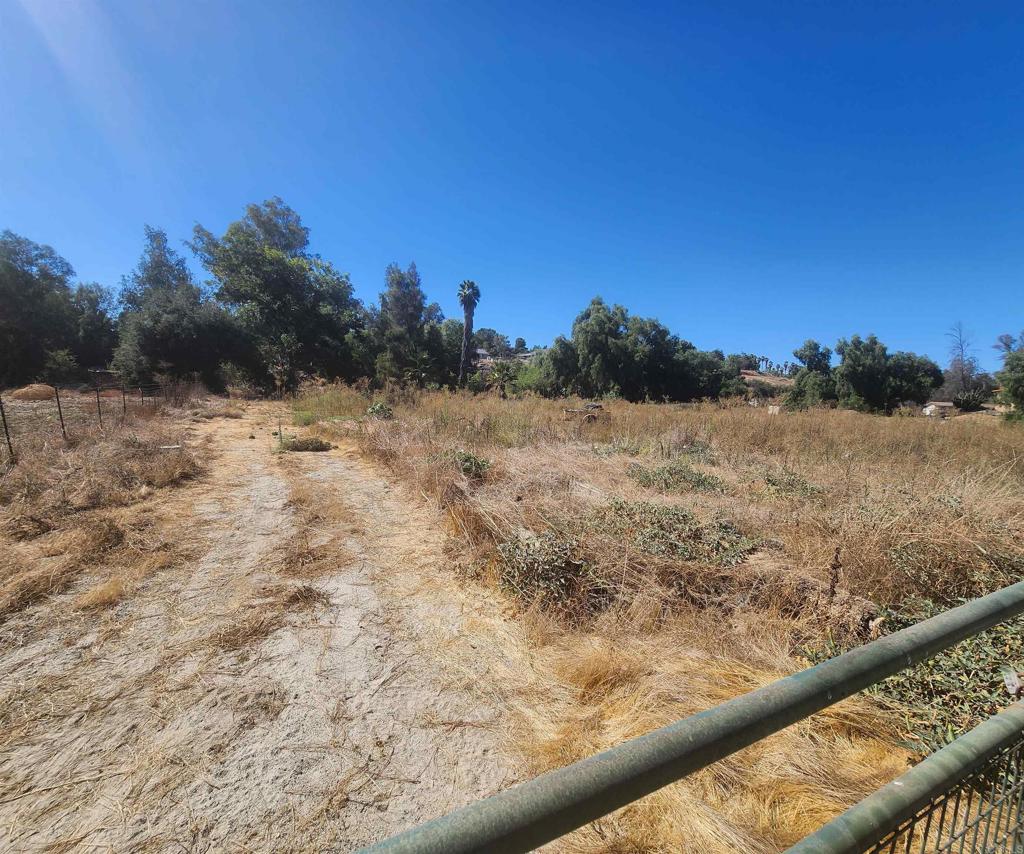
(218, 708)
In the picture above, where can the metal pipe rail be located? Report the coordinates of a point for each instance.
(916, 806)
(553, 804)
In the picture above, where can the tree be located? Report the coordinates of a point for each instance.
(910, 377)
(520, 345)
(962, 364)
(1006, 343)
(61, 367)
(963, 380)
(613, 353)
(38, 314)
(409, 333)
(861, 375)
(869, 378)
(166, 324)
(451, 331)
(297, 308)
(814, 357)
(469, 297)
(96, 331)
(811, 388)
(1012, 378)
(493, 342)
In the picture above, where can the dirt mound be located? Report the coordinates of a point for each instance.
(35, 391)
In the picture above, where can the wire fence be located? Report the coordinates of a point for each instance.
(982, 814)
(42, 412)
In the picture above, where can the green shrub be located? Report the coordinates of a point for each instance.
(971, 400)
(304, 418)
(471, 465)
(550, 571)
(788, 482)
(675, 476)
(674, 532)
(380, 410)
(698, 451)
(957, 689)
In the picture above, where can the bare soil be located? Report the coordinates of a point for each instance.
(303, 675)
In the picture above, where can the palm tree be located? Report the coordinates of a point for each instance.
(469, 296)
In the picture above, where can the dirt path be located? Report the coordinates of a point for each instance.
(305, 679)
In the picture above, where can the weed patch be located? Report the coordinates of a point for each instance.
(550, 571)
(955, 690)
(674, 532)
(675, 476)
(305, 443)
(380, 410)
(471, 465)
(788, 483)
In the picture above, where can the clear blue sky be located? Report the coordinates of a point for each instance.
(752, 174)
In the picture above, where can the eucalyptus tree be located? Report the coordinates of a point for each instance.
(296, 307)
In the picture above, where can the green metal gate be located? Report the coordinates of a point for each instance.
(965, 798)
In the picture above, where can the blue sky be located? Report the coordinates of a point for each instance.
(752, 174)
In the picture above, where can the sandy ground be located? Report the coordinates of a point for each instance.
(306, 678)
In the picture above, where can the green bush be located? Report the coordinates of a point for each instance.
(550, 571)
(380, 410)
(674, 532)
(471, 465)
(788, 482)
(675, 476)
(970, 401)
(957, 689)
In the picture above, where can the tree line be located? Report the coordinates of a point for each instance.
(274, 313)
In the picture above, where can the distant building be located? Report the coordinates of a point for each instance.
(939, 409)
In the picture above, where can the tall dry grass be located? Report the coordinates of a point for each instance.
(648, 598)
(62, 511)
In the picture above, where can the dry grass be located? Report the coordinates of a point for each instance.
(54, 481)
(208, 413)
(124, 577)
(623, 680)
(666, 558)
(265, 613)
(60, 515)
(35, 391)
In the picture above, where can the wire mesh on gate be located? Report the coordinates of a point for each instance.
(981, 815)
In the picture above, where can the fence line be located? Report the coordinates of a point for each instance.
(64, 412)
(7, 432)
(547, 807)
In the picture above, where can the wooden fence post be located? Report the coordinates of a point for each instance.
(60, 414)
(7, 433)
(99, 409)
